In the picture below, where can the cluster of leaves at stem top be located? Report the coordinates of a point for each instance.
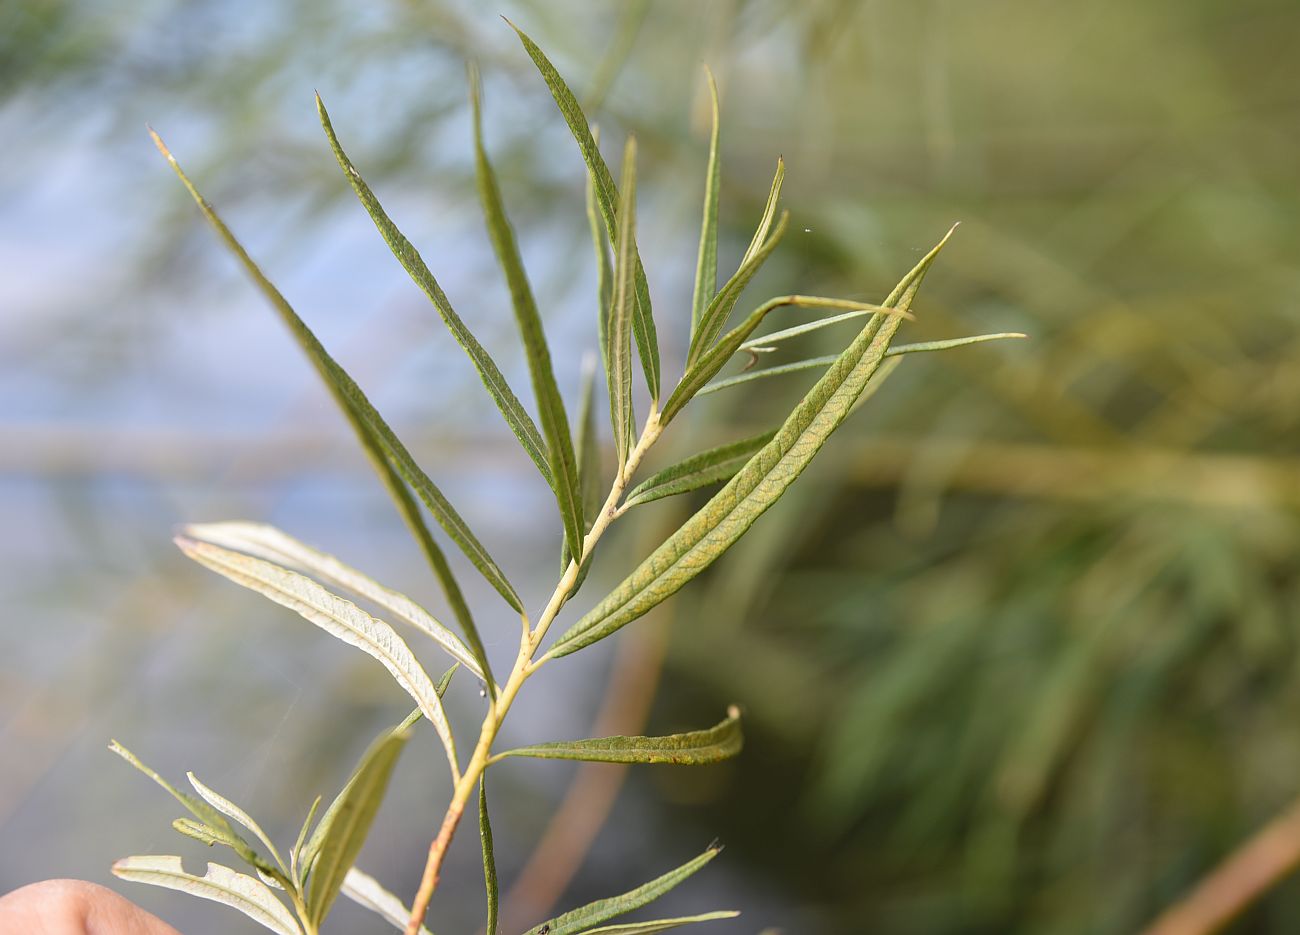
(755, 472)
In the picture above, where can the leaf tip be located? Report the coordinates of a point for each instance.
(162, 147)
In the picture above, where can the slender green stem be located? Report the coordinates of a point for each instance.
(467, 782)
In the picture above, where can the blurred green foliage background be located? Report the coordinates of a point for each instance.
(1019, 655)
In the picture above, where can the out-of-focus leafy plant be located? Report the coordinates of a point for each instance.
(756, 472)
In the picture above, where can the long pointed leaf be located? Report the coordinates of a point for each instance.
(489, 858)
(767, 341)
(707, 467)
(297, 867)
(233, 811)
(270, 543)
(706, 263)
(588, 467)
(336, 616)
(555, 423)
(714, 317)
(366, 891)
(758, 485)
(604, 268)
(813, 363)
(720, 742)
(220, 884)
(343, 828)
(515, 415)
(602, 910)
(606, 198)
(374, 433)
(661, 925)
(619, 366)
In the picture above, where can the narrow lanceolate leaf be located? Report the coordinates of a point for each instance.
(220, 884)
(515, 415)
(720, 742)
(714, 317)
(769, 341)
(267, 542)
(297, 867)
(233, 811)
(365, 890)
(758, 485)
(661, 925)
(707, 467)
(706, 263)
(815, 363)
(346, 823)
(588, 467)
(489, 858)
(336, 616)
(647, 341)
(197, 830)
(604, 272)
(602, 910)
(375, 435)
(555, 423)
(619, 365)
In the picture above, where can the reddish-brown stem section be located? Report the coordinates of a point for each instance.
(437, 851)
(1238, 881)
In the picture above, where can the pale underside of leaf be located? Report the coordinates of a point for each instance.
(661, 925)
(708, 467)
(720, 742)
(390, 457)
(602, 910)
(607, 200)
(366, 891)
(233, 811)
(758, 485)
(263, 541)
(220, 884)
(335, 615)
(706, 263)
(561, 458)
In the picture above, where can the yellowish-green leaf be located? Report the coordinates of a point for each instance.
(378, 440)
(233, 811)
(759, 484)
(267, 542)
(555, 423)
(220, 884)
(337, 840)
(607, 200)
(335, 615)
(197, 830)
(708, 467)
(661, 925)
(489, 858)
(602, 910)
(297, 867)
(706, 263)
(768, 342)
(720, 742)
(619, 366)
(365, 890)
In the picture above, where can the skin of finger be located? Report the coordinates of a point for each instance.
(75, 907)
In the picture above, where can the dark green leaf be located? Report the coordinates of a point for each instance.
(588, 466)
(758, 485)
(720, 742)
(337, 840)
(376, 437)
(707, 467)
(602, 910)
(619, 366)
(706, 264)
(606, 198)
(489, 857)
(555, 423)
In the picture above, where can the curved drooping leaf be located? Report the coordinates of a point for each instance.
(489, 858)
(336, 616)
(759, 484)
(378, 440)
(233, 811)
(337, 840)
(521, 424)
(602, 910)
(707, 467)
(220, 884)
(550, 405)
(365, 890)
(263, 541)
(714, 317)
(619, 365)
(720, 742)
(814, 363)
(706, 263)
(643, 324)
(660, 925)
